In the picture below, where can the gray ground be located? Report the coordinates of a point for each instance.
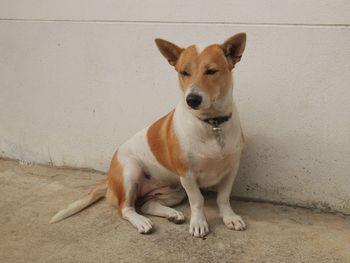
(30, 195)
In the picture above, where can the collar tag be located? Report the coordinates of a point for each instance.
(216, 129)
(215, 126)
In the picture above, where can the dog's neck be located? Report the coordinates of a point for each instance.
(188, 124)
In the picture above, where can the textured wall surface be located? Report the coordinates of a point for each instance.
(77, 79)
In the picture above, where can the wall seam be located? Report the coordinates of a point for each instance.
(102, 21)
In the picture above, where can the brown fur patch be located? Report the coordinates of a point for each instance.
(165, 146)
(116, 181)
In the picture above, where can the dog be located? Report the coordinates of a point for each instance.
(197, 145)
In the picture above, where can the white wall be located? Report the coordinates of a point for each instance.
(77, 79)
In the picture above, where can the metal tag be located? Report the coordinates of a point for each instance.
(219, 136)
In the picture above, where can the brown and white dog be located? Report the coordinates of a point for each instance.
(197, 145)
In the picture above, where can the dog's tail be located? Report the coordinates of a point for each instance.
(98, 192)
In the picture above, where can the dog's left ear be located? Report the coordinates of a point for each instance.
(234, 48)
(169, 50)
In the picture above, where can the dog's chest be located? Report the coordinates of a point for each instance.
(210, 171)
(210, 161)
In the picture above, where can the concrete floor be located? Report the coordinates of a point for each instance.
(30, 195)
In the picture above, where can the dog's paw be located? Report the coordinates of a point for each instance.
(143, 224)
(234, 222)
(176, 217)
(199, 227)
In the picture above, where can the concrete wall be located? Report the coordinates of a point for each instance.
(77, 79)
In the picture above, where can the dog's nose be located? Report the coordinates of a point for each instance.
(194, 100)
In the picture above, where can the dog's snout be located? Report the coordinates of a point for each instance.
(193, 100)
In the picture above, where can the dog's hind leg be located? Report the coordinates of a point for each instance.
(153, 207)
(160, 206)
(123, 183)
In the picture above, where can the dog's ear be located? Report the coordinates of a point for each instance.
(169, 50)
(234, 48)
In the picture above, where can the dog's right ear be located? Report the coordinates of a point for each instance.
(234, 48)
(169, 50)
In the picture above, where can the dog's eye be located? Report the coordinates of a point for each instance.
(210, 71)
(184, 73)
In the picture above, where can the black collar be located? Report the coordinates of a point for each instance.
(215, 122)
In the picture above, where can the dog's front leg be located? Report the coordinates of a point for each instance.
(198, 223)
(230, 218)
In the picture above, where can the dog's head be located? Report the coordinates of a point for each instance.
(205, 75)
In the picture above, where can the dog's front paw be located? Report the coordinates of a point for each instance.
(234, 222)
(199, 227)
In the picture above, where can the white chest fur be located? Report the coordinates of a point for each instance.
(211, 155)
